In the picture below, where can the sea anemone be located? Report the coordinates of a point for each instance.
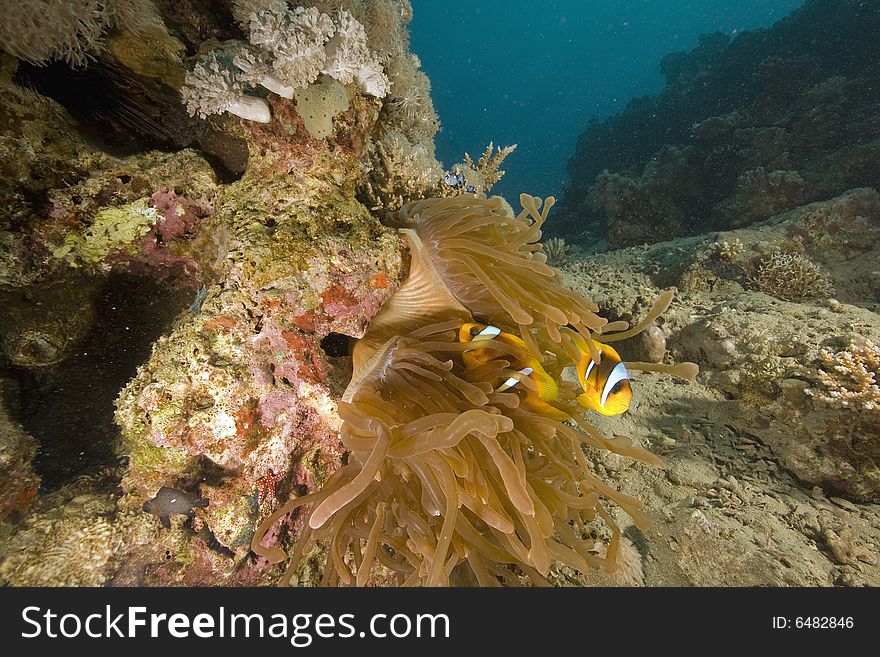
(452, 479)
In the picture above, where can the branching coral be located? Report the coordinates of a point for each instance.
(557, 251)
(851, 378)
(728, 251)
(483, 174)
(452, 478)
(791, 277)
(400, 172)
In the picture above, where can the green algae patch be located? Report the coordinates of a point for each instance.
(114, 230)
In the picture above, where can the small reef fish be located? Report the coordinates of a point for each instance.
(454, 179)
(606, 384)
(170, 500)
(546, 389)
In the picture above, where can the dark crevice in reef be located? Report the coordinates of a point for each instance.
(118, 111)
(68, 407)
(123, 113)
(336, 345)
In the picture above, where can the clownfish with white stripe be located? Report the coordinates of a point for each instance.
(606, 385)
(545, 387)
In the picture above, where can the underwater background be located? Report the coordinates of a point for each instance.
(274, 311)
(537, 77)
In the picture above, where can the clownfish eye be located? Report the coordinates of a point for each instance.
(474, 331)
(617, 387)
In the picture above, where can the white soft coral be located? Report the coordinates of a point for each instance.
(288, 51)
(347, 49)
(214, 86)
(295, 40)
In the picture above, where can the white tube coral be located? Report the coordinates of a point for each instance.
(371, 79)
(257, 71)
(347, 49)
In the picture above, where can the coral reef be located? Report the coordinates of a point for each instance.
(39, 31)
(770, 480)
(790, 276)
(849, 380)
(400, 172)
(776, 356)
(480, 176)
(457, 476)
(213, 87)
(210, 274)
(275, 254)
(800, 127)
(288, 50)
(557, 251)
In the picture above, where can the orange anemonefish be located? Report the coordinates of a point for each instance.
(546, 388)
(606, 385)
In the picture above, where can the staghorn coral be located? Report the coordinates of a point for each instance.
(728, 251)
(849, 378)
(790, 277)
(483, 174)
(450, 480)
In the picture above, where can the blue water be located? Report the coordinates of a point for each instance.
(534, 74)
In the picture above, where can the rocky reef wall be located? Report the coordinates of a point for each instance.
(258, 233)
(745, 129)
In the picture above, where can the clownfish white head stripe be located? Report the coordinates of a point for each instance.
(617, 375)
(605, 381)
(488, 333)
(513, 381)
